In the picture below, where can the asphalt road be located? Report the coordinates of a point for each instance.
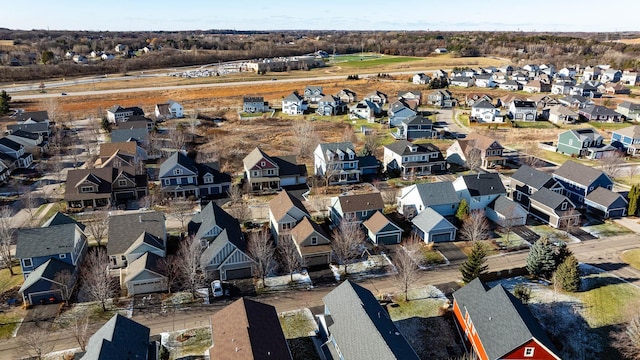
(601, 252)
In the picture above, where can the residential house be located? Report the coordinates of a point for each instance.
(585, 89)
(476, 151)
(121, 338)
(560, 114)
(616, 89)
(225, 255)
(398, 112)
(568, 72)
(553, 208)
(591, 73)
(561, 87)
(462, 81)
(313, 94)
(264, 173)
(101, 187)
(523, 110)
(413, 159)
(330, 105)
(585, 142)
(579, 180)
(248, 330)
(484, 111)
(610, 75)
(629, 78)
(510, 85)
(484, 81)
(506, 213)
(377, 97)
(497, 325)
(382, 231)
(16, 151)
(506, 100)
(606, 204)
(122, 155)
(440, 74)
(520, 77)
(32, 117)
(442, 98)
(117, 113)
(627, 138)
(421, 79)
(411, 98)
(431, 227)
(354, 207)
(472, 98)
(145, 275)
(337, 162)
(32, 142)
(35, 128)
(254, 104)
(527, 180)
(536, 86)
(169, 110)
(364, 109)
(415, 127)
(543, 100)
(135, 122)
(285, 211)
(599, 113)
(631, 111)
(180, 176)
(439, 196)
(139, 135)
(347, 96)
(51, 282)
(575, 101)
(294, 104)
(132, 235)
(355, 326)
(507, 69)
(479, 190)
(312, 243)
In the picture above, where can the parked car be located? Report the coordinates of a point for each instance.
(216, 286)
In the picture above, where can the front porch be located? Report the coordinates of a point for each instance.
(79, 205)
(346, 177)
(493, 161)
(180, 191)
(266, 184)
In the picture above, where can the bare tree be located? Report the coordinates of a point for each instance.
(29, 202)
(34, 344)
(182, 209)
(240, 211)
(371, 142)
(97, 283)
(177, 137)
(531, 157)
(348, 135)
(347, 240)
(475, 226)
(632, 171)
(235, 194)
(261, 249)
(190, 269)
(570, 220)
(390, 196)
(407, 269)
(52, 108)
(96, 226)
(289, 257)
(169, 266)
(474, 159)
(7, 232)
(510, 222)
(306, 138)
(80, 330)
(612, 163)
(331, 170)
(628, 340)
(61, 282)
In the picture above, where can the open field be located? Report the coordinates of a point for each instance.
(633, 41)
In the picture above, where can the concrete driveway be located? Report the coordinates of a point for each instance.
(38, 317)
(450, 251)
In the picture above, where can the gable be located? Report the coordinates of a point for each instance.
(146, 274)
(184, 171)
(141, 249)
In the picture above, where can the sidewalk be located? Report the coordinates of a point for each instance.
(630, 223)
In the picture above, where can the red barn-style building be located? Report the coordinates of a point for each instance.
(498, 326)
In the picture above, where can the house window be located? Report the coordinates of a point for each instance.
(564, 206)
(528, 351)
(570, 141)
(364, 213)
(62, 256)
(122, 182)
(166, 181)
(27, 262)
(208, 179)
(256, 173)
(314, 240)
(519, 196)
(177, 172)
(86, 189)
(262, 163)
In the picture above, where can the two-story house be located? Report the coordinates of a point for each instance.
(312, 243)
(585, 142)
(412, 98)
(462, 81)
(34, 143)
(34, 128)
(553, 208)
(631, 111)
(347, 96)
(510, 85)
(377, 97)
(329, 105)
(264, 173)
(627, 138)
(32, 117)
(180, 176)
(398, 112)
(132, 235)
(294, 104)
(101, 187)
(527, 180)
(579, 180)
(169, 110)
(354, 207)
(442, 98)
(479, 190)
(523, 110)
(420, 79)
(484, 111)
(440, 196)
(413, 159)
(337, 162)
(575, 101)
(254, 104)
(414, 127)
(365, 109)
(585, 89)
(313, 94)
(285, 212)
(122, 155)
(561, 87)
(610, 75)
(476, 151)
(560, 114)
(117, 113)
(599, 113)
(484, 81)
(16, 151)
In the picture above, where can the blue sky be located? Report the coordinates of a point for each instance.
(540, 15)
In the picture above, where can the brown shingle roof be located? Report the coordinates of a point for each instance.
(125, 147)
(282, 203)
(376, 222)
(360, 202)
(481, 142)
(247, 330)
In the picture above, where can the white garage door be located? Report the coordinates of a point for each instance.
(146, 287)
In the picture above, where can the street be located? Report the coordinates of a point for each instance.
(603, 253)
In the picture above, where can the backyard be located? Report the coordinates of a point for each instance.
(298, 327)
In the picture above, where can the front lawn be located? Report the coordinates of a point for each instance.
(466, 247)
(534, 125)
(184, 343)
(607, 229)
(632, 257)
(9, 322)
(8, 282)
(430, 256)
(607, 299)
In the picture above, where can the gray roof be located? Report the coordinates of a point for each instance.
(35, 128)
(483, 104)
(578, 173)
(484, 184)
(437, 193)
(417, 120)
(52, 240)
(504, 205)
(345, 147)
(36, 116)
(120, 338)
(533, 177)
(428, 219)
(213, 215)
(59, 218)
(501, 321)
(548, 198)
(631, 131)
(361, 327)
(148, 261)
(11, 144)
(120, 135)
(599, 110)
(604, 196)
(49, 270)
(293, 97)
(586, 134)
(218, 245)
(177, 158)
(403, 147)
(125, 229)
(625, 104)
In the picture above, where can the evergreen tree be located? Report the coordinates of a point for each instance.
(541, 261)
(523, 293)
(475, 265)
(463, 210)
(5, 99)
(568, 274)
(634, 194)
(561, 253)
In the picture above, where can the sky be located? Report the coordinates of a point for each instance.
(485, 15)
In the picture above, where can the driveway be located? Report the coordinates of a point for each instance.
(38, 317)
(582, 235)
(525, 233)
(450, 251)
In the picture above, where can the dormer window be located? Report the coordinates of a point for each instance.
(208, 179)
(177, 172)
(122, 182)
(262, 163)
(314, 240)
(86, 189)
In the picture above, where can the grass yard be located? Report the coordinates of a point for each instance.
(184, 343)
(59, 206)
(8, 282)
(298, 326)
(430, 256)
(371, 62)
(535, 125)
(466, 246)
(558, 158)
(632, 257)
(609, 125)
(9, 322)
(607, 229)
(607, 299)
